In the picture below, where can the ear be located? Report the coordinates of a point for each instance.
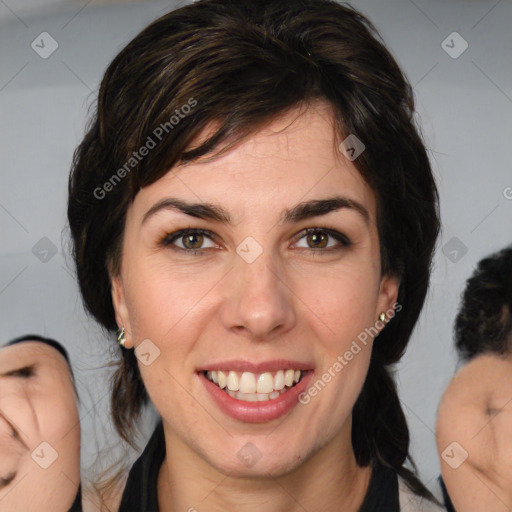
(388, 294)
(121, 309)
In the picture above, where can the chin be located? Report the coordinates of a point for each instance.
(250, 461)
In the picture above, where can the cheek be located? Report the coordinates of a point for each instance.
(52, 489)
(58, 417)
(162, 299)
(341, 306)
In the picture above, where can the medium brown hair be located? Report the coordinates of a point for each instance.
(245, 62)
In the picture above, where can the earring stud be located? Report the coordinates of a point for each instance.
(121, 337)
(382, 317)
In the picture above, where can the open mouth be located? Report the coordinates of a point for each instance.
(253, 387)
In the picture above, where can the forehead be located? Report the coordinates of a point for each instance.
(291, 159)
(32, 352)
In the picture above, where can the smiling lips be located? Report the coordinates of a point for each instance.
(253, 387)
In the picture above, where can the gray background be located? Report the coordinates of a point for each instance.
(464, 106)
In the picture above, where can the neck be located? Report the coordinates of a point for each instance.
(329, 479)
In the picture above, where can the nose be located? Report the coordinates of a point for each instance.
(259, 303)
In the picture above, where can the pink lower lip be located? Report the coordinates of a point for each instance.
(256, 412)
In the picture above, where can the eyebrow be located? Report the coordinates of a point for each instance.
(28, 371)
(302, 211)
(23, 372)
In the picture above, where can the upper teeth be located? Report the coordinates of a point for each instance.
(248, 382)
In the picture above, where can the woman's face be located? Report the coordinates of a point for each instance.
(257, 298)
(39, 430)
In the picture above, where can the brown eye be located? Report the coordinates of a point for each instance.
(317, 240)
(320, 238)
(189, 240)
(193, 241)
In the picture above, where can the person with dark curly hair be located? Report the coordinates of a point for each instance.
(475, 415)
(253, 210)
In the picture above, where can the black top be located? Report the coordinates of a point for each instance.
(140, 494)
(446, 497)
(77, 504)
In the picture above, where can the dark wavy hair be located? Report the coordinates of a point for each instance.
(244, 62)
(484, 321)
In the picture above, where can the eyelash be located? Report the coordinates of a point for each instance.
(169, 238)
